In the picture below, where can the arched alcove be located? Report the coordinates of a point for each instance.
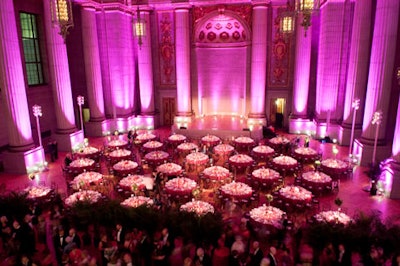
(222, 52)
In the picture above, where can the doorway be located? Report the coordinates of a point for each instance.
(276, 114)
(168, 110)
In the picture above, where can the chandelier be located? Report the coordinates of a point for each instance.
(61, 11)
(305, 8)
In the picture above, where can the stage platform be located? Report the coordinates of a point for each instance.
(222, 126)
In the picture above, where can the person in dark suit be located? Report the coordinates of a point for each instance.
(271, 256)
(120, 236)
(201, 258)
(59, 244)
(344, 256)
(256, 255)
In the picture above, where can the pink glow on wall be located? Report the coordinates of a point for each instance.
(396, 139)
(34, 159)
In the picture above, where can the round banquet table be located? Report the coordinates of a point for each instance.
(243, 143)
(196, 161)
(152, 145)
(265, 178)
(240, 161)
(88, 152)
(86, 180)
(333, 217)
(119, 155)
(334, 167)
(263, 152)
(136, 201)
(89, 196)
(169, 169)
(117, 144)
(210, 140)
(180, 188)
(198, 207)
(155, 158)
(132, 184)
(284, 164)
(268, 216)
(306, 154)
(295, 197)
(176, 139)
(223, 149)
(214, 176)
(38, 193)
(80, 165)
(317, 182)
(237, 192)
(144, 137)
(125, 167)
(187, 147)
(280, 144)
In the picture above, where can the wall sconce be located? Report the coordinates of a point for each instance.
(81, 101)
(139, 27)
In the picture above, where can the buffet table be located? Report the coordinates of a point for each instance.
(124, 168)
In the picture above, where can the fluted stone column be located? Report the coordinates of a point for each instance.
(380, 76)
(182, 51)
(258, 61)
(13, 96)
(391, 166)
(93, 71)
(145, 66)
(331, 68)
(60, 81)
(298, 121)
(358, 69)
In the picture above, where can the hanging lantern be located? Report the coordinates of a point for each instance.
(306, 8)
(61, 11)
(139, 27)
(286, 24)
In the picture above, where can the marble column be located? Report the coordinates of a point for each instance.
(145, 67)
(358, 69)
(331, 67)
(380, 77)
(182, 51)
(299, 121)
(92, 64)
(60, 80)
(21, 156)
(391, 167)
(258, 61)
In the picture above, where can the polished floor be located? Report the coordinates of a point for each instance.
(351, 190)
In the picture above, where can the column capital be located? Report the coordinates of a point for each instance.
(261, 3)
(182, 7)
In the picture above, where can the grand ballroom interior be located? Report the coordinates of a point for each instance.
(286, 85)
